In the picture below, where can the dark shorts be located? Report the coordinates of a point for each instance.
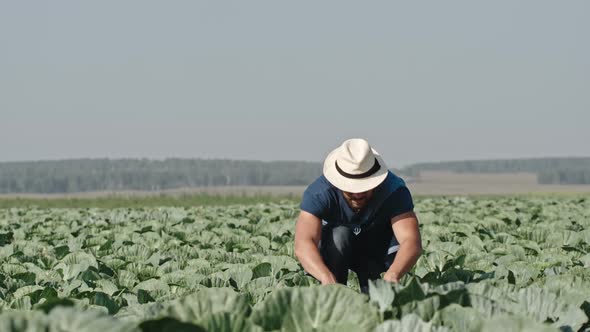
(368, 254)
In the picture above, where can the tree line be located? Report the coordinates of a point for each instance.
(83, 175)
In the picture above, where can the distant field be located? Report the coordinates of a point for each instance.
(222, 191)
(111, 201)
(448, 183)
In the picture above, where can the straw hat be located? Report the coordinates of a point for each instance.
(355, 167)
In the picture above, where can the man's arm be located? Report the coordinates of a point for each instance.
(407, 233)
(308, 231)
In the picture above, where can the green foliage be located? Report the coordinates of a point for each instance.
(506, 264)
(314, 308)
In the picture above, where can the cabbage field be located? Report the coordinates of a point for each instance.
(502, 264)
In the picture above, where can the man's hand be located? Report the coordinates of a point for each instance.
(391, 276)
(328, 279)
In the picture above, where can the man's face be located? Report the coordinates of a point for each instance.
(358, 201)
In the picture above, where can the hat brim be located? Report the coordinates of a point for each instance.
(353, 185)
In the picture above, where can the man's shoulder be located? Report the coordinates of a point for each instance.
(321, 191)
(402, 192)
(398, 202)
(318, 198)
(319, 186)
(395, 188)
(392, 183)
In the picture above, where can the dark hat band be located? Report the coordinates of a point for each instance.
(366, 174)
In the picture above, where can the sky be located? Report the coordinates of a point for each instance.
(278, 80)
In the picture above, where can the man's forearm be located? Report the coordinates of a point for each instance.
(406, 257)
(312, 262)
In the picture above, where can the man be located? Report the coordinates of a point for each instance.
(358, 215)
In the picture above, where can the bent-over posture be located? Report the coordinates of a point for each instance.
(358, 215)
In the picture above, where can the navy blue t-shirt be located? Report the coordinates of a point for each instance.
(391, 198)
